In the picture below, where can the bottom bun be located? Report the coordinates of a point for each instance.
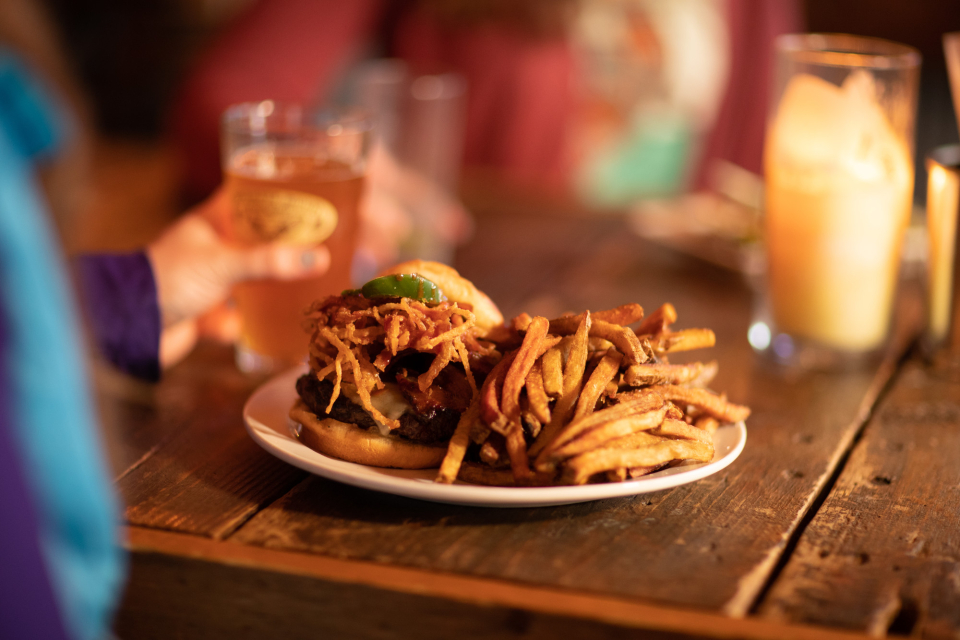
(353, 444)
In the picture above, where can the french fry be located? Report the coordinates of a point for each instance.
(572, 382)
(637, 472)
(706, 401)
(658, 321)
(490, 393)
(517, 450)
(522, 363)
(480, 432)
(707, 423)
(457, 448)
(577, 360)
(493, 450)
(629, 404)
(524, 358)
(649, 373)
(674, 412)
(623, 315)
(567, 325)
(616, 475)
(686, 340)
(634, 440)
(549, 342)
(603, 435)
(599, 344)
(552, 366)
(566, 366)
(597, 383)
(679, 429)
(623, 338)
(522, 321)
(579, 469)
(537, 394)
(533, 423)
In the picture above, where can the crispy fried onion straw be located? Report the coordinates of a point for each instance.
(354, 339)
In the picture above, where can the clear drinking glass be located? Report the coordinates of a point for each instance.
(420, 119)
(293, 175)
(943, 202)
(838, 164)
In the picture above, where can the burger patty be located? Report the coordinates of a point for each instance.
(435, 424)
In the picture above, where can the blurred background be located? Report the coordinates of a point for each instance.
(649, 108)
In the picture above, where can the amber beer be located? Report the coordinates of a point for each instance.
(265, 184)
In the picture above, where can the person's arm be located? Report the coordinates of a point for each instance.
(120, 297)
(29, 608)
(143, 308)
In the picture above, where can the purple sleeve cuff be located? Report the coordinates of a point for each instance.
(120, 296)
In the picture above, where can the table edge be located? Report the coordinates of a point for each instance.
(474, 590)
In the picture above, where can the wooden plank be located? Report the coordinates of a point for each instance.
(132, 425)
(711, 545)
(207, 476)
(881, 555)
(184, 586)
(513, 254)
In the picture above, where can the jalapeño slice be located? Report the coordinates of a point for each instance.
(404, 285)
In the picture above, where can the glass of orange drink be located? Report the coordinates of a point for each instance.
(838, 168)
(292, 175)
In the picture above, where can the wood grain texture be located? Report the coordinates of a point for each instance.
(205, 475)
(176, 591)
(179, 598)
(515, 255)
(711, 545)
(883, 553)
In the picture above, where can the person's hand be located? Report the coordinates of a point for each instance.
(195, 270)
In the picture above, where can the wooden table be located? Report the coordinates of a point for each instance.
(839, 520)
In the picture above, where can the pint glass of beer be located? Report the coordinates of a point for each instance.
(292, 175)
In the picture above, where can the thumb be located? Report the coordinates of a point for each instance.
(281, 261)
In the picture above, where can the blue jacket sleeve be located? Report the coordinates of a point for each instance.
(51, 428)
(29, 608)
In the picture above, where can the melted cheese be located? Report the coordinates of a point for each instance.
(388, 401)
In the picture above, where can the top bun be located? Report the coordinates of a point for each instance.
(455, 287)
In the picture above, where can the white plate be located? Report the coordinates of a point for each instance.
(265, 415)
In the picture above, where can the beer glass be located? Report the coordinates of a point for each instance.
(293, 175)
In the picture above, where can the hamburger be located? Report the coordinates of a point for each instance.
(393, 365)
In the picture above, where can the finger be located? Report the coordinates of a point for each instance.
(283, 262)
(176, 341)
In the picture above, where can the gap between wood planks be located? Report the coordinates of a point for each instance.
(755, 586)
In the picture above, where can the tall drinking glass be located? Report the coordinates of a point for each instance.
(293, 175)
(838, 163)
(943, 205)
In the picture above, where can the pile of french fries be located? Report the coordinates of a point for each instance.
(585, 398)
